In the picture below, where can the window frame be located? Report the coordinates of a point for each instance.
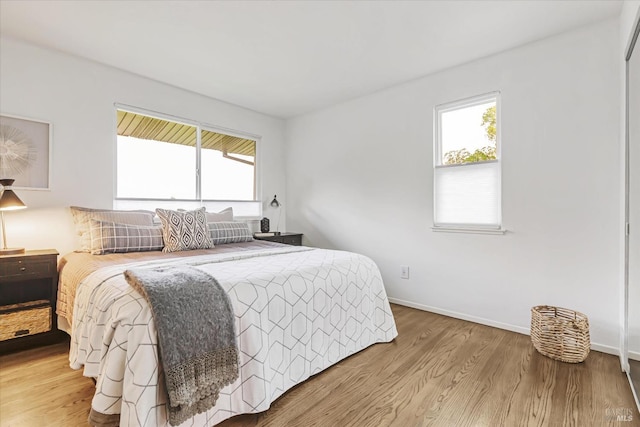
(254, 205)
(438, 111)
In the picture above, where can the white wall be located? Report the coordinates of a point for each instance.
(78, 97)
(359, 177)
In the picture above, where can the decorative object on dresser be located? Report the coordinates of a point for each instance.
(8, 202)
(264, 225)
(294, 239)
(28, 293)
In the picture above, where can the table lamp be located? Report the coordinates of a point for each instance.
(9, 202)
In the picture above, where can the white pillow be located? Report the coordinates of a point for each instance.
(224, 215)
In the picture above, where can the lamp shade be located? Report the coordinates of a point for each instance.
(275, 203)
(9, 201)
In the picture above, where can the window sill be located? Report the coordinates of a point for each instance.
(469, 230)
(242, 209)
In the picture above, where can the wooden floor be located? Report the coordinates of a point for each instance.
(438, 372)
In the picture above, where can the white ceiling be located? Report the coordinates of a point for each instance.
(286, 58)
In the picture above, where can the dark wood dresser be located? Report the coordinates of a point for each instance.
(28, 293)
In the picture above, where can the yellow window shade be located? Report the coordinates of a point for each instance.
(145, 127)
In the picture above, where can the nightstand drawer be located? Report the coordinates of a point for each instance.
(292, 240)
(16, 270)
(22, 323)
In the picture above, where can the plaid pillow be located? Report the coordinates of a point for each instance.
(82, 218)
(183, 231)
(110, 237)
(229, 232)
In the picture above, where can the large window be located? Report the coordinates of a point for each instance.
(467, 173)
(159, 159)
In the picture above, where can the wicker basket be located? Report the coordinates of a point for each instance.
(560, 333)
(21, 319)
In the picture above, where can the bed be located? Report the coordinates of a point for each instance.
(297, 310)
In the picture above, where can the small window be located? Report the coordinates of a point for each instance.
(467, 170)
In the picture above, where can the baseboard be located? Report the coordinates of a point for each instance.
(605, 349)
(633, 390)
(488, 322)
(634, 355)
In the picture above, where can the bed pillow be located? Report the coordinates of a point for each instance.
(110, 237)
(223, 215)
(229, 232)
(184, 231)
(82, 218)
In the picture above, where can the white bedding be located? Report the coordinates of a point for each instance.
(298, 311)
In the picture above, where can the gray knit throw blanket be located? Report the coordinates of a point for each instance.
(196, 335)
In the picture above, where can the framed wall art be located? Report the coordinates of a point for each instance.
(25, 152)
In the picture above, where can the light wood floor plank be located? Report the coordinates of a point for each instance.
(438, 372)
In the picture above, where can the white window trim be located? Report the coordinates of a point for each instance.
(496, 229)
(131, 203)
(468, 229)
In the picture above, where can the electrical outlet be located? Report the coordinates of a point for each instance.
(404, 271)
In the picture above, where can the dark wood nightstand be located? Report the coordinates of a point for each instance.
(28, 293)
(294, 239)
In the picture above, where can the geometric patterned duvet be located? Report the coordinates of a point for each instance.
(298, 311)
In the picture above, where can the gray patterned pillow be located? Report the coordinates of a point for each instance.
(183, 231)
(110, 237)
(82, 218)
(229, 232)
